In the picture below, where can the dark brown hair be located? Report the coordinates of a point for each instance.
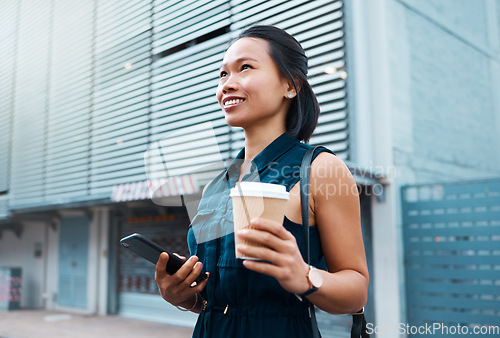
(290, 57)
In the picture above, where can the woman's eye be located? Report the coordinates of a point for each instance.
(246, 67)
(223, 74)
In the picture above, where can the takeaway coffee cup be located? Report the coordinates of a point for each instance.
(254, 199)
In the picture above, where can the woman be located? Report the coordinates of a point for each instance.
(263, 89)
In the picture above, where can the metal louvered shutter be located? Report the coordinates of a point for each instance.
(185, 77)
(184, 95)
(8, 34)
(88, 86)
(182, 21)
(30, 110)
(120, 116)
(69, 101)
(318, 26)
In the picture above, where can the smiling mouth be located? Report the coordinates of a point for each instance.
(233, 102)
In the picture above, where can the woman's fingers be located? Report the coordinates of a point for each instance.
(180, 286)
(275, 228)
(262, 267)
(263, 238)
(279, 245)
(181, 257)
(276, 239)
(261, 253)
(195, 272)
(180, 276)
(161, 266)
(191, 279)
(186, 269)
(280, 253)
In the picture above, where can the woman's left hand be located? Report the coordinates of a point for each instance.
(282, 251)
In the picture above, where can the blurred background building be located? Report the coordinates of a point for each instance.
(409, 94)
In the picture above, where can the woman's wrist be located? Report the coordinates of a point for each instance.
(189, 304)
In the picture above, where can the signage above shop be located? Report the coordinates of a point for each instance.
(157, 188)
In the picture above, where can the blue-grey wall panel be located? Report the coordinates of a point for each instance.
(120, 117)
(452, 242)
(8, 34)
(184, 85)
(73, 261)
(31, 104)
(70, 104)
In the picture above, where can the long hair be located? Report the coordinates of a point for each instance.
(291, 60)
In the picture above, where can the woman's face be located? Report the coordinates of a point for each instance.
(251, 91)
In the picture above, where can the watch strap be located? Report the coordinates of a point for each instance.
(308, 292)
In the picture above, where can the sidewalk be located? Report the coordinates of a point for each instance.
(44, 324)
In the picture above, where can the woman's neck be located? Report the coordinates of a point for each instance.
(257, 139)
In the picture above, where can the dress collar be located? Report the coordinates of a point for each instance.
(273, 151)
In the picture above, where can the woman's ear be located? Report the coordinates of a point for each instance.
(293, 87)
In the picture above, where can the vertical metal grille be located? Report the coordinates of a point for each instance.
(452, 248)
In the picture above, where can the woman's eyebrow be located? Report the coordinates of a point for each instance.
(239, 60)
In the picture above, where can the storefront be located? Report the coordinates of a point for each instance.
(132, 281)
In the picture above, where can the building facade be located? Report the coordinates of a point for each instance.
(407, 92)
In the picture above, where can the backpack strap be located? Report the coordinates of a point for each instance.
(304, 207)
(358, 328)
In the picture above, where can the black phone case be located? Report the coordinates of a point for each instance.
(151, 251)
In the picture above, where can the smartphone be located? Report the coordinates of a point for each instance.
(151, 251)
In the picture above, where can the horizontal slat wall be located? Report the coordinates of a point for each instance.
(30, 112)
(89, 100)
(120, 117)
(69, 101)
(8, 31)
(452, 250)
(179, 21)
(184, 85)
(318, 26)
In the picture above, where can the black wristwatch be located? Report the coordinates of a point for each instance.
(315, 281)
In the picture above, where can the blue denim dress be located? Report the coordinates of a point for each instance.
(238, 302)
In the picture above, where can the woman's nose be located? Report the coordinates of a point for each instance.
(231, 84)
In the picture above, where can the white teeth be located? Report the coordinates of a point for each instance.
(234, 101)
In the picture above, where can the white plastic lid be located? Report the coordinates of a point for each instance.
(257, 189)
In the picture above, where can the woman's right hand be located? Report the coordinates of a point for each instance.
(176, 289)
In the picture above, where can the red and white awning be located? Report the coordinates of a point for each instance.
(163, 187)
